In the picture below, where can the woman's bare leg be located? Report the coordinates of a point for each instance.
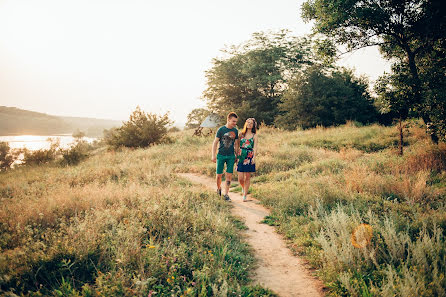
(241, 179)
(247, 182)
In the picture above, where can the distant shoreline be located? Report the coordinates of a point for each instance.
(33, 134)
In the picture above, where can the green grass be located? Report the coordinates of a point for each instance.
(323, 183)
(123, 224)
(119, 224)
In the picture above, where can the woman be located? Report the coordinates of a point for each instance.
(247, 155)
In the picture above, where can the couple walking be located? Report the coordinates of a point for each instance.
(235, 147)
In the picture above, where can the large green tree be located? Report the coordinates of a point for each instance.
(318, 97)
(407, 31)
(141, 130)
(252, 77)
(196, 117)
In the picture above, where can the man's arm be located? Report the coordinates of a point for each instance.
(237, 146)
(214, 149)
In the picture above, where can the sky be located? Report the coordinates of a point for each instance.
(102, 58)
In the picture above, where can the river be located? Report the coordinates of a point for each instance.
(36, 142)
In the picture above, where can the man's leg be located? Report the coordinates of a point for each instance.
(229, 170)
(228, 182)
(219, 173)
(219, 176)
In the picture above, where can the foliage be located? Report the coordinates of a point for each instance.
(319, 98)
(78, 134)
(252, 78)
(196, 117)
(410, 32)
(76, 153)
(6, 156)
(141, 130)
(41, 156)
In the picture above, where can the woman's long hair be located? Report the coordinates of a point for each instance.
(254, 127)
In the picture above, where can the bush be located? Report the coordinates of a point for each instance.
(76, 153)
(174, 129)
(141, 130)
(41, 156)
(6, 156)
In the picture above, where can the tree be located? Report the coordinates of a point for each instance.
(196, 117)
(141, 130)
(78, 135)
(253, 76)
(6, 157)
(394, 98)
(320, 98)
(405, 30)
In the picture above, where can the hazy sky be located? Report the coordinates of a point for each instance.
(103, 58)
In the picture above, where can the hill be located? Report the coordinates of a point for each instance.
(371, 222)
(15, 121)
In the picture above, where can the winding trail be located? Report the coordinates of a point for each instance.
(277, 268)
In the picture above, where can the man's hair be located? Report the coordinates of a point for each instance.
(232, 115)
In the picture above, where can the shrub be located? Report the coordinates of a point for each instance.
(174, 129)
(41, 156)
(6, 156)
(141, 130)
(76, 153)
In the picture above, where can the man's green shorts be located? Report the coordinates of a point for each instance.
(229, 160)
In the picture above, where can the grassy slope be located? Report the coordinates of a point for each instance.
(319, 196)
(321, 184)
(140, 225)
(119, 224)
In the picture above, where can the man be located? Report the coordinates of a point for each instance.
(227, 138)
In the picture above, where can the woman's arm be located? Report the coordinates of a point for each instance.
(256, 145)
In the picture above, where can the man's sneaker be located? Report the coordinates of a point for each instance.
(227, 197)
(244, 199)
(219, 192)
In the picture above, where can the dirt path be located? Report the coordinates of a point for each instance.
(278, 269)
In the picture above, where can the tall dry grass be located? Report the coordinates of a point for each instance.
(323, 183)
(128, 214)
(120, 224)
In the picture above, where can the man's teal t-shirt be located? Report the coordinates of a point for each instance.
(227, 139)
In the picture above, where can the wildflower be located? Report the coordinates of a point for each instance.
(362, 236)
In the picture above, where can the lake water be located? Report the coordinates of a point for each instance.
(36, 142)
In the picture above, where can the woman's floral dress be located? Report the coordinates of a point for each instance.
(246, 154)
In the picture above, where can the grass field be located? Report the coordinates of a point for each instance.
(118, 224)
(121, 223)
